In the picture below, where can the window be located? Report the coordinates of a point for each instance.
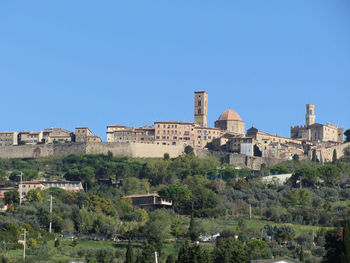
(199, 111)
(199, 103)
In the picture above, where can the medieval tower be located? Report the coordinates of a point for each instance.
(310, 116)
(200, 108)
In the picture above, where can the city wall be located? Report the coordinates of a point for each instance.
(118, 149)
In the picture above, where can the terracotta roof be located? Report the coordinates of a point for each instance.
(229, 115)
(174, 122)
(31, 182)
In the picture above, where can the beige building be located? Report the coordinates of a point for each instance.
(72, 186)
(130, 134)
(230, 121)
(30, 137)
(200, 108)
(83, 134)
(113, 128)
(30, 185)
(205, 135)
(57, 135)
(8, 138)
(274, 146)
(316, 132)
(174, 133)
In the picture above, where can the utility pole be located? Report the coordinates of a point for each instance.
(50, 214)
(250, 211)
(156, 256)
(300, 181)
(20, 188)
(24, 244)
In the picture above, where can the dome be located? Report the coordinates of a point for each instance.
(229, 115)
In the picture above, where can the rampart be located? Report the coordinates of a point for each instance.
(118, 149)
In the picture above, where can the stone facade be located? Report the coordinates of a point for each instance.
(30, 137)
(174, 133)
(83, 134)
(131, 135)
(57, 135)
(200, 108)
(8, 138)
(316, 132)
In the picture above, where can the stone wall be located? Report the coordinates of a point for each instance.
(118, 149)
(140, 150)
(325, 154)
(244, 161)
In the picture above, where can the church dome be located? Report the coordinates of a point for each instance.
(229, 115)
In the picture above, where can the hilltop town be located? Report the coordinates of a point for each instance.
(228, 136)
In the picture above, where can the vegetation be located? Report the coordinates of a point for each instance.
(304, 218)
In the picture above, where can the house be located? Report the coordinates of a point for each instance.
(152, 201)
(4, 189)
(72, 186)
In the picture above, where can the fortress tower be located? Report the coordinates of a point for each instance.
(310, 116)
(200, 108)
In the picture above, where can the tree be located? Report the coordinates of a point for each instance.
(229, 250)
(258, 249)
(330, 174)
(34, 195)
(166, 156)
(57, 242)
(12, 197)
(189, 150)
(193, 231)
(129, 257)
(334, 247)
(178, 194)
(295, 157)
(345, 256)
(298, 197)
(334, 158)
(347, 135)
(147, 254)
(308, 175)
(301, 254)
(170, 259)
(314, 156)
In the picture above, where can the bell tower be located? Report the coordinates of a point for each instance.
(310, 116)
(200, 108)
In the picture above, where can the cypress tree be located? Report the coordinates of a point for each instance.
(314, 156)
(193, 230)
(170, 259)
(345, 257)
(129, 257)
(301, 254)
(334, 159)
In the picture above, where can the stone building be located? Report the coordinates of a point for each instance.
(316, 132)
(57, 135)
(200, 108)
(205, 135)
(113, 128)
(29, 137)
(8, 138)
(274, 146)
(174, 133)
(230, 121)
(83, 134)
(130, 134)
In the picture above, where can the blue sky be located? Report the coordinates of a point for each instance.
(94, 63)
